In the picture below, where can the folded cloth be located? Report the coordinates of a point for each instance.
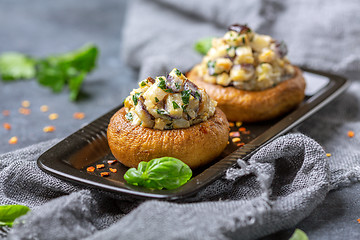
(280, 184)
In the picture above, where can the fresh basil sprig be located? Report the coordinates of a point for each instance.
(299, 235)
(159, 173)
(203, 45)
(54, 71)
(8, 214)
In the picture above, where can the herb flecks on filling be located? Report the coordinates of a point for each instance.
(246, 60)
(169, 102)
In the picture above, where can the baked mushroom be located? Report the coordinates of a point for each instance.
(168, 116)
(249, 76)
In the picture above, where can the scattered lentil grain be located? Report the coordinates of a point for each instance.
(53, 116)
(7, 126)
(13, 140)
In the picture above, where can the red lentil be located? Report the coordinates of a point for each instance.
(13, 140)
(7, 126)
(53, 116)
(328, 154)
(49, 129)
(240, 144)
(24, 111)
(234, 134)
(79, 115)
(114, 170)
(351, 134)
(98, 166)
(90, 169)
(242, 129)
(111, 162)
(25, 103)
(236, 140)
(238, 124)
(44, 108)
(231, 124)
(6, 113)
(105, 174)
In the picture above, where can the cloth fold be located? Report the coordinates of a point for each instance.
(280, 185)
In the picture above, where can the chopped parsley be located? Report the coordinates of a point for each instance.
(162, 83)
(175, 105)
(243, 40)
(129, 116)
(185, 96)
(177, 85)
(177, 72)
(135, 98)
(197, 95)
(211, 67)
(143, 84)
(156, 99)
(168, 90)
(161, 111)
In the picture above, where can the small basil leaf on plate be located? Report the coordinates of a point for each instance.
(159, 173)
(133, 176)
(8, 213)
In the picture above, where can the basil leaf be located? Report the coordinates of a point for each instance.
(133, 177)
(159, 173)
(14, 66)
(203, 45)
(54, 71)
(8, 213)
(299, 235)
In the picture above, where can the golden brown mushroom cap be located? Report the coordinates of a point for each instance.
(195, 146)
(254, 106)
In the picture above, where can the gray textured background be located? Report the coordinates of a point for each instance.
(42, 27)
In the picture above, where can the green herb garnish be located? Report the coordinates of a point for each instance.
(8, 214)
(243, 40)
(185, 96)
(197, 95)
(162, 83)
(15, 66)
(175, 105)
(177, 85)
(129, 116)
(156, 99)
(135, 98)
(299, 235)
(161, 111)
(177, 72)
(159, 173)
(203, 45)
(143, 84)
(54, 71)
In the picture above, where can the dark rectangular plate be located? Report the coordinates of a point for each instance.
(88, 146)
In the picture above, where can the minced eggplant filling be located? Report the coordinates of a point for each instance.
(246, 60)
(168, 103)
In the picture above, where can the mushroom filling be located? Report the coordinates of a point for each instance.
(246, 60)
(168, 103)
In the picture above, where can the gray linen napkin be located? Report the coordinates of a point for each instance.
(278, 187)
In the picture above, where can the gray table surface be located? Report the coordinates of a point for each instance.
(42, 27)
